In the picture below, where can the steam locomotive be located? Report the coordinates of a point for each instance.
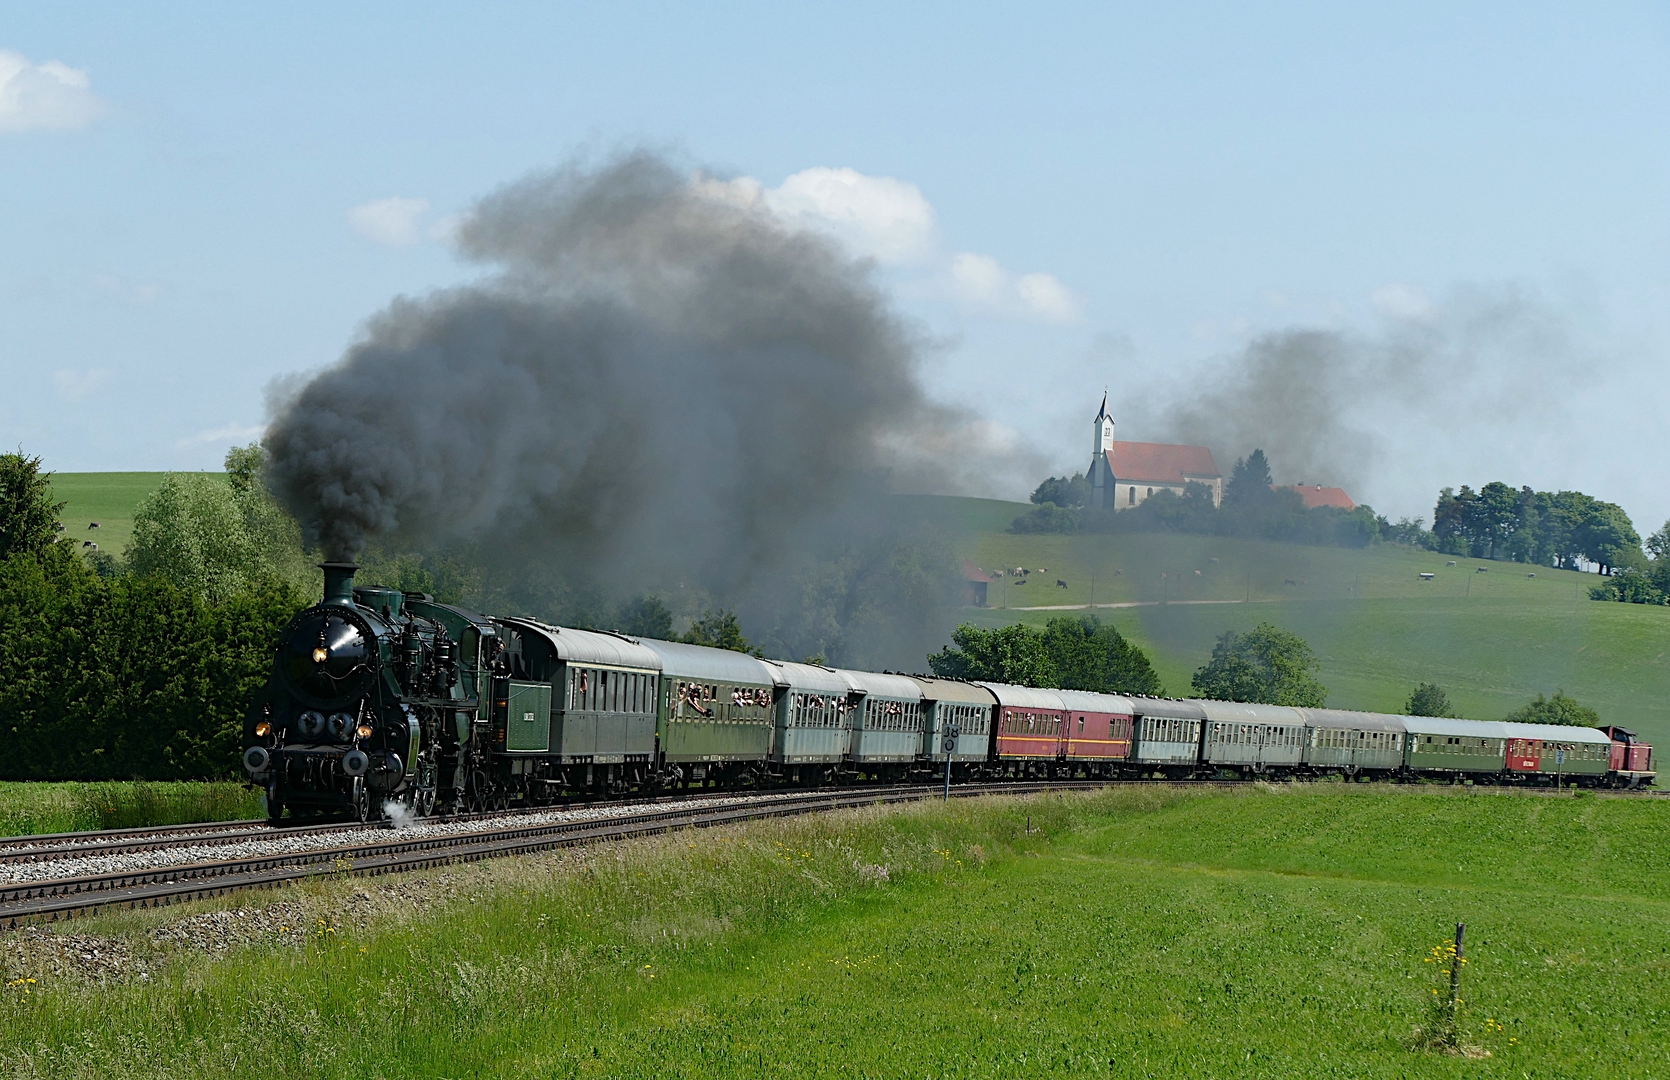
(382, 703)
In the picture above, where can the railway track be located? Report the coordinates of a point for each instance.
(48, 847)
(60, 898)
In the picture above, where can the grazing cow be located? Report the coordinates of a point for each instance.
(1197, 573)
(1289, 581)
(93, 525)
(1062, 584)
(1118, 573)
(1212, 560)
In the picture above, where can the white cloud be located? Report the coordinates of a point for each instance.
(892, 222)
(980, 281)
(231, 433)
(876, 217)
(394, 221)
(44, 96)
(1403, 302)
(885, 219)
(74, 385)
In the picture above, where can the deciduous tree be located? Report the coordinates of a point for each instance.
(1089, 654)
(1266, 664)
(1558, 709)
(1428, 700)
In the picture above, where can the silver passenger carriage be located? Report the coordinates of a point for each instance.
(812, 725)
(1167, 734)
(1353, 743)
(951, 701)
(1252, 738)
(886, 719)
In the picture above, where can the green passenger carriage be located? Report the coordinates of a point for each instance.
(1460, 749)
(714, 712)
(576, 706)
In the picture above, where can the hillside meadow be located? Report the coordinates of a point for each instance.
(1152, 931)
(107, 498)
(1491, 639)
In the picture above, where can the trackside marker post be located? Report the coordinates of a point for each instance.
(1455, 983)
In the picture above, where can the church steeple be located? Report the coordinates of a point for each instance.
(1104, 429)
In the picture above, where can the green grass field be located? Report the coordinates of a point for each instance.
(107, 498)
(1152, 932)
(1492, 640)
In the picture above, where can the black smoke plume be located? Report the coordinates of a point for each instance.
(659, 382)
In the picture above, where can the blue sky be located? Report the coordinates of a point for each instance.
(197, 200)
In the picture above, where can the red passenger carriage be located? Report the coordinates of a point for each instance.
(1098, 726)
(1031, 727)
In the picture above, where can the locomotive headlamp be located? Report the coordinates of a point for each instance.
(263, 729)
(363, 731)
(321, 654)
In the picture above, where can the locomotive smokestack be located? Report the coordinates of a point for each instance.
(339, 582)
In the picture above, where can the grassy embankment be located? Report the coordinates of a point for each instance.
(1492, 640)
(49, 807)
(1150, 932)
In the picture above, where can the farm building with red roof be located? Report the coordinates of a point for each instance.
(1124, 474)
(1315, 495)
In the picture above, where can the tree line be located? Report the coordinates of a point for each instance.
(137, 668)
(1548, 528)
(1251, 508)
(1562, 529)
(139, 665)
(1067, 654)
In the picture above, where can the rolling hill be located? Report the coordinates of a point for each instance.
(1492, 634)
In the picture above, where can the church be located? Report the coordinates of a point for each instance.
(1123, 474)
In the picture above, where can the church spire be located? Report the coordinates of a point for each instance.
(1104, 428)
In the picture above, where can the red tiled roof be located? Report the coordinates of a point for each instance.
(974, 573)
(1161, 463)
(1315, 495)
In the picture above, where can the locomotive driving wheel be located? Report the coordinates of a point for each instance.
(359, 803)
(480, 790)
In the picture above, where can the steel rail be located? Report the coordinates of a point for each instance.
(46, 847)
(66, 897)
